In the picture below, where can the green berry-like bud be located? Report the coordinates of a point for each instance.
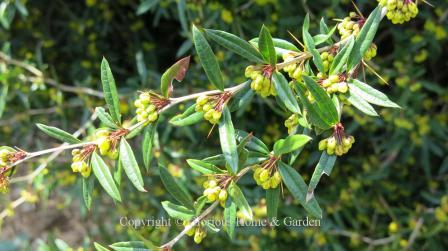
(266, 184)
(212, 183)
(74, 152)
(153, 117)
(331, 143)
(104, 145)
(222, 195)
(264, 175)
(323, 145)
(151, 108)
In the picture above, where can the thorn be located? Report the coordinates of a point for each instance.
(374, 72)
(357, 9)
(211, 130)
(428, 3)
(297, 40)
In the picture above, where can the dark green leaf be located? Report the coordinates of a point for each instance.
(110, 91)
(314, 116)
(177, 71)
(266, 46)
(285, 93)
(290, 144)
(203, 167)
(310, 46)
(102, 173)
(105, 118)
(230, 217)
(146, 5)
(228, 141)
(254, 143)
(325, 106)
(208, 59)
(3, 96)
(235, 44)
(326, 162)
(365, 37)
(357, 101)
(240, 200)
(130, 165)
(370, 94)
(341, 58)
(129, 246)
(148, 138)
(58, 134)
(272, 199)
(177, 212)
(175, 189)
(295, 184)
(87, 191)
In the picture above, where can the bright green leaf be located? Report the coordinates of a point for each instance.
(266, 46)
(370, 94)
(58, 134)
(148, 139)
(110, 91)
(203, 167)
(177, 71)
(175, 189)
(290, 144)
(326, 162)
(130, 165)
(285, 93)
(177, 211)
(240, 200)
(105, 118)
(357, 101)
(102, 173)
(341, 58)
(272, 201)
(228, 141)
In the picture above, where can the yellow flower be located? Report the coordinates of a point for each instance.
(226, 16)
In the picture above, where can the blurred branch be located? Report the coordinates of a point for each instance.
(368, 240)
(415, 233)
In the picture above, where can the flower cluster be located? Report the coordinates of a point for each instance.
(214, 190)
(79, 162)
(261, 80)
(198, 232)
(334, 84)
(370, 52)
(334, 146)
(350, 25)
(266, 175)
(295, 71)
(106, 144)
(292, 122)
(4, 180)
(146, 110)
(212, 106)
(6, 154)
(399, 11)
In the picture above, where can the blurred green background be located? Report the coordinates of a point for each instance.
(391, 189)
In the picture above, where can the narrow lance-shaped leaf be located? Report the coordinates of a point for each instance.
(228, 141)
(208, 59)
(272, 200)
(3, 95)
(177, 72)
(105, 118)
(362, 105)
(254, 144)
(285, 93)
(295, 184)
(341, 58)
(87, 191)
(110, 91)
(279, 44)
(129, 246)
(266, 46)
(235, 44)
(323, 101)
(290, 144)
(230, 217)
(175, 189)
(130, 165)
(310, 46)
(102, 173)
(312, 111)
(240, 200)
(365, 37)
(177, 211)
(370, 94)
(58, 134)
(189, 117)
(326, 162)
(148, 138)
(203, 167)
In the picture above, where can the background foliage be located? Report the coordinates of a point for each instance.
(395, 175)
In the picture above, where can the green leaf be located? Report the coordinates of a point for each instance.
(129, 246)
(365, 37)
(290, 144)
(176, 211)
(110, 91)
(189, 117)
(3, 96)
(295, 184)
(175, 189)
(203, 167)
(281, 46)
(148, 139)
(199, 204)
(242, 98)
(227, 140)
(357, 101)
(272, 199)
(177, 71)
(105, 118)
(370, 94)
(146, 5)
(58, 134)
(254, 144)
(325, 105)
(314, 116)
(240, 201)
(284, 92)
(321, 38)
(98, 247)
(341, 58)
(230, 217)
(310, 46)
(326, 163)
(266, 46)
(130, 165)
(235, 44)
(87, 191)
(323, 28)
(208, 59)
(102, 173)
